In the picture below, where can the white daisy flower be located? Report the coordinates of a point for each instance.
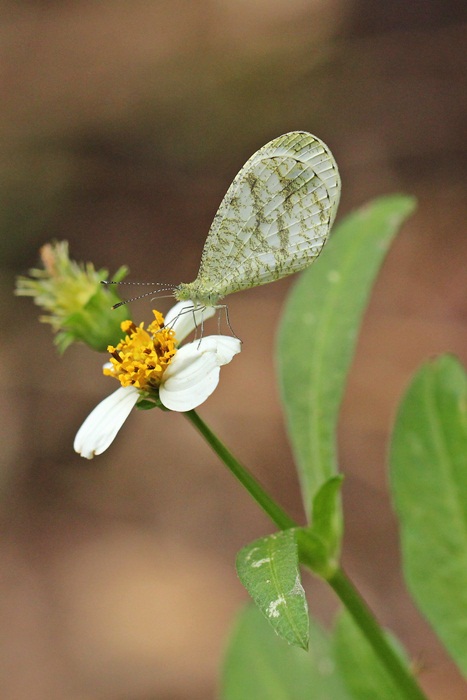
(149, 364)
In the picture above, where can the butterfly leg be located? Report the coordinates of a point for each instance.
(227, 320)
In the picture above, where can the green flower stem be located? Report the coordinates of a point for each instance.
(270, 507)
(341, 585)
(364, 618)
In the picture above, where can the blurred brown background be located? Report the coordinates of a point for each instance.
(122, 125)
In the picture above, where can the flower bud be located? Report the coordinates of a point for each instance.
(77, 305)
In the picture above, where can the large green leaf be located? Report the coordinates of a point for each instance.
(319, 330)
(361, 670)
(260, 666)
(429, 485)
(268, 568)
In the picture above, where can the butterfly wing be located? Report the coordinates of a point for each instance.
(275, 216)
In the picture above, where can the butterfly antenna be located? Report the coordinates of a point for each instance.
(141, 296)
(153, 284)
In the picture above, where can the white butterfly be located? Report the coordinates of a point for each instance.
(273, 221)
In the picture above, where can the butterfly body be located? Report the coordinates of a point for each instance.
(196, 292)
(273, 221)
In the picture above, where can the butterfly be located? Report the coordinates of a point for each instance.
(273, 221)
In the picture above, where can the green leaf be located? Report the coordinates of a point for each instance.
(429, 485)
(361, 670)
(268, 568)
(327, 523)
(260, 666)
(320, 544)
(318, 333)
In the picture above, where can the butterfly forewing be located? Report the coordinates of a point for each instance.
(274, 218)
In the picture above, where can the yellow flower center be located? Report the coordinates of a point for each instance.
(141, 359)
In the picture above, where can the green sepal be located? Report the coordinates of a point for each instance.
(149, 400)
(96, 323)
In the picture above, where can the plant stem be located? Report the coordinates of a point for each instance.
(341, 585)
(254, 488)
(364, 618)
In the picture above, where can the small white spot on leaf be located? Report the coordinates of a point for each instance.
(251, 553)
(272, 609)
(297, 587)
(260, 562)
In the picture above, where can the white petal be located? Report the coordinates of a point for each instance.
(224, 346)
(193, 374)
(183, 318)
(103, 423)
